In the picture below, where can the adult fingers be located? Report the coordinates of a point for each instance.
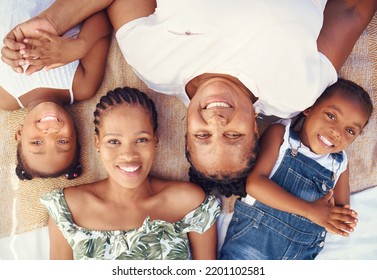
(11, 54)
(33, 68)
(12, 44)
(46, 35)
(15, 64)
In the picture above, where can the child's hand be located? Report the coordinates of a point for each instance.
(337, 220)
(13, 42)
(52, 51)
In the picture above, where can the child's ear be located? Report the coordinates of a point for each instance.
(96, 142)
(307, 111)
(17, 135)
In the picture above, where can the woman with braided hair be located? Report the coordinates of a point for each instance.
(130, 214)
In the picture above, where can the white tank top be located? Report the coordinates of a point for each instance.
(18, 84)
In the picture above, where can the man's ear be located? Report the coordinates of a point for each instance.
(17, 135)
(256, 129)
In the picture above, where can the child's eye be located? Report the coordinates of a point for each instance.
(351, 131)
(331, 116)
(142, 140)
(36, 142)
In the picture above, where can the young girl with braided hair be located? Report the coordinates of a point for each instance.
(47, 141)
(299, 188)
(130, 214)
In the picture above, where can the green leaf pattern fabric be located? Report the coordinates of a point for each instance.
(154, 240)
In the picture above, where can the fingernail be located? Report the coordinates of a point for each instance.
(22, 51)
(26, 41)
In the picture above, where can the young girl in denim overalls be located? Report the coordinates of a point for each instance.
(300, 181)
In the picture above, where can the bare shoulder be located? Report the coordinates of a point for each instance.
(78, 195)
(8, 102)
(181, 194)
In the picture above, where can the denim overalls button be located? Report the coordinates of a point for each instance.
(324, 187)
(323, 233)
(321, 244)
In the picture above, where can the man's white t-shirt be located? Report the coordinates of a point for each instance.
(269, 45)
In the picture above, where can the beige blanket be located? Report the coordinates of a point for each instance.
(20, 210)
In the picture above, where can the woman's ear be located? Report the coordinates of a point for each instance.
(156, 138)
(17, 135)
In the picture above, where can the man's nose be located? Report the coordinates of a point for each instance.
(217, 119)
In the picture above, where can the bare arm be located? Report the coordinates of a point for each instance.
(54, 51)
(259, 186)
(204, 246)
(344, 21)
(57, 19)
(342, 190)
(59, 247)
(63, 15)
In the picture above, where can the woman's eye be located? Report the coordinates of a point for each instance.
(36, 142)
(63, 141)
(142, 140)
(331, 116)
(202, 135)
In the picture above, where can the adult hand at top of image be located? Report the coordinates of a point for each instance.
(47, 50)
(14, 42)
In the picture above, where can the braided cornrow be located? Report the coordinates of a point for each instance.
(125, 95)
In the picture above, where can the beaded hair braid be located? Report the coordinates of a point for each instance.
(128, 95)
(24, 172)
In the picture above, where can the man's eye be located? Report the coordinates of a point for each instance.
(233, 135)
(63, 141)
(36, 142)
(202, 135)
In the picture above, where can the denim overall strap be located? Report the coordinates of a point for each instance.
(263, 232)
